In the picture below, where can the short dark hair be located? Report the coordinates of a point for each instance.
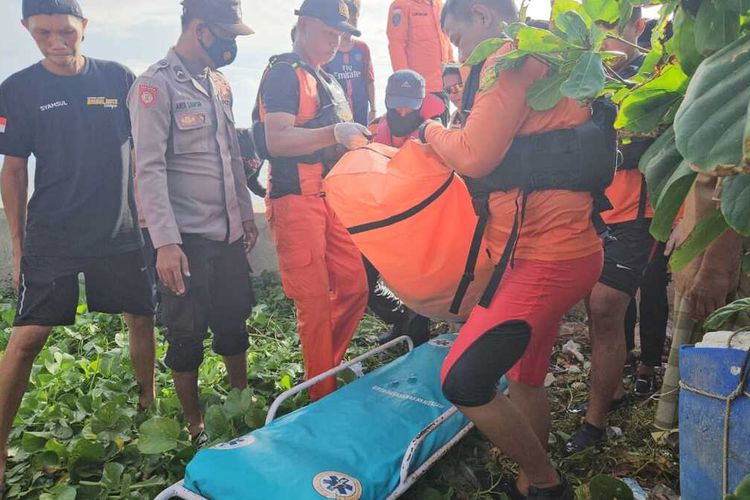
(462, 9)
(187, 16)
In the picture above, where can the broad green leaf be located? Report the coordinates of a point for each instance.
(676, 190)
(538, 40)
(112, 474)
(740, 6)
(746, 140)
(561, 6)
(233, 404)
(218, 425)
(546, 94)
(646, 107)
(710, 122)
(158, 435)
(609, 488)
(735, 203)
(573, 27)
(60, 492)
(716, 26)
(684, 42)
(708, 229)
(723, 317)
(485, 50)
(85, 459)
(743, 489)
(255, 418)
(587, 78)
(607, 11)
(625, 8)
(34, 441)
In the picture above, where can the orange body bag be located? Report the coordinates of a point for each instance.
(412, 217)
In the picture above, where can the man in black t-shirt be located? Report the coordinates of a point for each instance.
(70, 113)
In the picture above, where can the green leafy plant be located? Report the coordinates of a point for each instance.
(692, 93)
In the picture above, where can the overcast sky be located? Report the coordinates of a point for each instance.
(138, 33)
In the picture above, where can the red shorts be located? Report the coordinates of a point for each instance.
(539, 293)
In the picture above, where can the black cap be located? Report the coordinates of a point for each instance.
(225, 14)
(406, 89)
(333, 13)
(51, 7)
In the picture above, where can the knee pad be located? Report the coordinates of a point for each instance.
(472, 379)
(184, 355)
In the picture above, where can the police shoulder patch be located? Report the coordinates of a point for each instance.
(3, 124)
(147, 95)
(396, 18)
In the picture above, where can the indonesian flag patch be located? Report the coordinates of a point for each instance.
(3, 124)
(147, 95)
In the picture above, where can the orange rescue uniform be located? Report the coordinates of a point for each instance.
(557, 225)
(321, 269)
(416, 41)
(625, 195)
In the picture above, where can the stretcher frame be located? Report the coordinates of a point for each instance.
(406, 478)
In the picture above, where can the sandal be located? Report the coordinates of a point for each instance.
(510, 488)
(645, 386)
(199, 440)
(587, 436)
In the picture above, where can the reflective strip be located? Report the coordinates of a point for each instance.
(23, 294)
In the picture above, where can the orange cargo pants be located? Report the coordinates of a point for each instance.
(323, 273)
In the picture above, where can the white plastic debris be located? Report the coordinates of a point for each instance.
(573, 349)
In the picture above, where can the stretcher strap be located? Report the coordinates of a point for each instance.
(738, 392)
(507, 257)
(406, 214)
(481, 207)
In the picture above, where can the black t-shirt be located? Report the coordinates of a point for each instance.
(280, 88)
(78, 128)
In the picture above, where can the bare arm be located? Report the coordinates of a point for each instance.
(14, 186)
(283, 139)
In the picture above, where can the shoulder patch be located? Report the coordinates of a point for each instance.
(147, 95)
(3, 124)
(396, 18)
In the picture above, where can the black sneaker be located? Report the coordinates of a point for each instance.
(645, 386)
(562, 491)
(587, 436)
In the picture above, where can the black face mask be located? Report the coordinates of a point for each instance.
(403, 126)
(222, 52)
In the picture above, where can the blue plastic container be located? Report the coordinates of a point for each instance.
(717, 371)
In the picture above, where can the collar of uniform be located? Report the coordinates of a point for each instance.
(176, 66)
(181, 74)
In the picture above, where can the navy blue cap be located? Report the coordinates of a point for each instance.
(406, 89)
(51, 7)
(226, 14)
(334, 13)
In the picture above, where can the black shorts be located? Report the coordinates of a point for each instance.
(626, 255)
(49, 288)
(219, 297)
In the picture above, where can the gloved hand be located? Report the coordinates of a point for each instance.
(351, 135)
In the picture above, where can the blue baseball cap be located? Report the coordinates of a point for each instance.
(51, 7)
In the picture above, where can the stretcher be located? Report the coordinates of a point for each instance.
(370, 440)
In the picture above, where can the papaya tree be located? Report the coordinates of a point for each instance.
(692, 94)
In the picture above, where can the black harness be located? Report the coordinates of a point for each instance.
(580, 159)
(333, 108)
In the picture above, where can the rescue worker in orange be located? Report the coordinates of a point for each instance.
(543, 233)
(304, 114)
(416, 41)
(627, 253)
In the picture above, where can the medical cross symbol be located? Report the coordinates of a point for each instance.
(340, 485)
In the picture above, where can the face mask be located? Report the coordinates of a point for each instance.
(403, 126)
(222, 52)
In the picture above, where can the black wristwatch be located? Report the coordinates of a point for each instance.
(423, 129)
